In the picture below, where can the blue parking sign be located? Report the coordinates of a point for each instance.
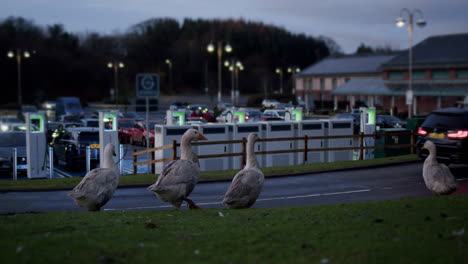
(147, 85)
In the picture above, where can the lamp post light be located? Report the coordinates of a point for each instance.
(219, 50)
(19, 54)
(293, 70)
(279, 71)
(116, 65)
(169, 64)
(234, 66)
(400, 22)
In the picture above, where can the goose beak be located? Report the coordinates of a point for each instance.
(201, 137)
(423, 147)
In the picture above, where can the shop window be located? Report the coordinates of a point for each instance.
(462, 74)
(440, 74)
(419, 74)
(395, 75)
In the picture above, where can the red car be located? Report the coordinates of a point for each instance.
(140, 133)
(126, 127)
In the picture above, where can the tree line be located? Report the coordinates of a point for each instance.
(75, 64)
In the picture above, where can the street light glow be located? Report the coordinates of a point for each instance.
(228, 48)
(400, 22)
(10, 54)
(26, 54)
(210, 48)
(110, 65)
(121, 65)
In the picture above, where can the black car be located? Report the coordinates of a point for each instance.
(447, 128)
(70, 145)
(388, 121)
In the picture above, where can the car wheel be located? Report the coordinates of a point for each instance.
(131, 141)
(143, 142)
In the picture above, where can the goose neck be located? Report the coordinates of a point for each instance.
(251, 159)
(186, 152)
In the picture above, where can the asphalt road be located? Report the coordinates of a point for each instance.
(373, 184)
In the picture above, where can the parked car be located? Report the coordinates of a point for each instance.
(353, 116)
(447, 128)
(8, 141)
(269, 115)
(283, 106)
(251, 115)
(69, 119)
(269, 103)
(68, 106)
(70, 147)
(388, 121)
(26, 109)
(126, 127)
(178, 105)
(50, 128)
(224, 106)
(133, 115)
(140, 133)
(90, 122)
(9, 119)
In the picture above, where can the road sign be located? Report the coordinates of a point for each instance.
(147, 85)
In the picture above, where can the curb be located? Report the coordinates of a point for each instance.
(229, 180)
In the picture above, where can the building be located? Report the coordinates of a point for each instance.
(439, 77)
(317, 82)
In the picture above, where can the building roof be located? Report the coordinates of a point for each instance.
(436, 51)
(349, 65)
(377, 86)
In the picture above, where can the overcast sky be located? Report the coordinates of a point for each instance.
(348, 22)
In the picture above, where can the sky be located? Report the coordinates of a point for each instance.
(348, 22)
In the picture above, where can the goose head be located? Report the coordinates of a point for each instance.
(110, 148)
(429, 145)
(193, 135)
(253, 137)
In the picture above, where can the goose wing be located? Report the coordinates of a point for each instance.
(246, 186)
(175, 173)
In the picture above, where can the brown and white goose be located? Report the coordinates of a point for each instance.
(179, 177)
(98, 185)
(437, 176)
(247, 183)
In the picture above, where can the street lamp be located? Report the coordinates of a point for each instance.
(280, 72)
(219, 49)
(293, 70)
(400, 22)
(169, 64)
(19, 54)
(234, 66)
(116, 65)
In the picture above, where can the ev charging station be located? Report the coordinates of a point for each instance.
(242, 131)
(215, 132)
(240, 116)
(293, 114)
(311, 128)
(36, 145)
(179, 115)
(338, 127)
(279, 129)
(164, 135)
(367, 126)
(108, 133)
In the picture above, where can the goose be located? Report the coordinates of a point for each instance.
(247, 183)
(437, 176)
(98, 185)
(179, 177)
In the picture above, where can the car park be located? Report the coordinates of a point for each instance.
(8, 141)
(141, 131)
(90, 122)
(132, 115)
(126, 127)
(447, 128)
(70, 147)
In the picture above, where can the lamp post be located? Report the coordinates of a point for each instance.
(19, 54)
(115, 65)
(293, 70)
(219, 50)
(279, 71)
(400, 22)
(234, 66)
(169, 64)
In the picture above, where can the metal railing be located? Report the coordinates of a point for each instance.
(361, 147)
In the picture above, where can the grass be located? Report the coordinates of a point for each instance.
(211, 175)
(421, 230)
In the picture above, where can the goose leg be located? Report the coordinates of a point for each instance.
(191, 204)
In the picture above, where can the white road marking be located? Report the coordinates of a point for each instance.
(258, 200)
(462, 179)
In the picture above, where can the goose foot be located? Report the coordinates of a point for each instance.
(191, 204)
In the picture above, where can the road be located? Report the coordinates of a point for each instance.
(374, 184)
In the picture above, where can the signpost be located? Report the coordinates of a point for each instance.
(147, 86)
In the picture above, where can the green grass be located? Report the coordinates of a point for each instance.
(422, 230)
(211, 175)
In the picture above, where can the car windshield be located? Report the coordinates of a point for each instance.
(450, 121)
(151, 125)
(126, 123)
(10, 119)
(391, 118)
(73, 106)
(92, 123)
